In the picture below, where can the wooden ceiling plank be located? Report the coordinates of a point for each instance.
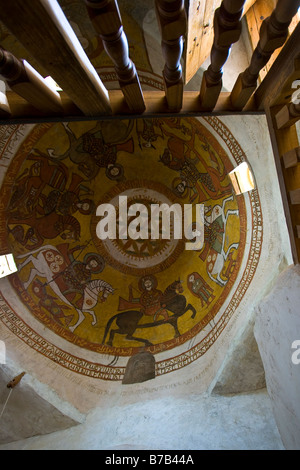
(192, 50)
(42, 28)
(107, 21)
(199, 38)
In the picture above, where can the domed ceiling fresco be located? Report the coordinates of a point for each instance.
(121, 296)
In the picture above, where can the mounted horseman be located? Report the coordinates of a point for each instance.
(127, 322)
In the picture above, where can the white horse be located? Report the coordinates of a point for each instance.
(90, 299)
(41, 268)
(217, 256)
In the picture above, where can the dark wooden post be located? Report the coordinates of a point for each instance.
(28, 83)
(227, 30)
(172, 20)
(273, 34)
(107, 21)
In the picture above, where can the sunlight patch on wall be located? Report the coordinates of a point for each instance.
(242, 179)
(7, 265)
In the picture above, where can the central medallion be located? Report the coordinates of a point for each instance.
(140, 256)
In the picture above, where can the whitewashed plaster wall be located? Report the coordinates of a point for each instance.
(277, 327)
(242, 422)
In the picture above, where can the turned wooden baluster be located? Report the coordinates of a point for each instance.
(28, 83)
(273, 34)
(227, 30)
(172, 21)
(107, 21)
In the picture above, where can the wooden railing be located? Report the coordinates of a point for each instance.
(42, 28)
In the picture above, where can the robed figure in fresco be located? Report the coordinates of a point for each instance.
(149, 301)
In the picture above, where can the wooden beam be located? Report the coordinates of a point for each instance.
(28, 83)
(42, 28)
(155, 101)
(276, 88)
(199, 36)
(107, 21)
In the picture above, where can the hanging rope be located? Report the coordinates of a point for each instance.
(11, 385)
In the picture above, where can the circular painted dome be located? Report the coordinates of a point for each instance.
(120, 295)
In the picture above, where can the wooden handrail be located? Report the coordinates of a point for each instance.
(42, 28)
(227, 30)
(107, 21)
(155, 102)
(273, 34)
